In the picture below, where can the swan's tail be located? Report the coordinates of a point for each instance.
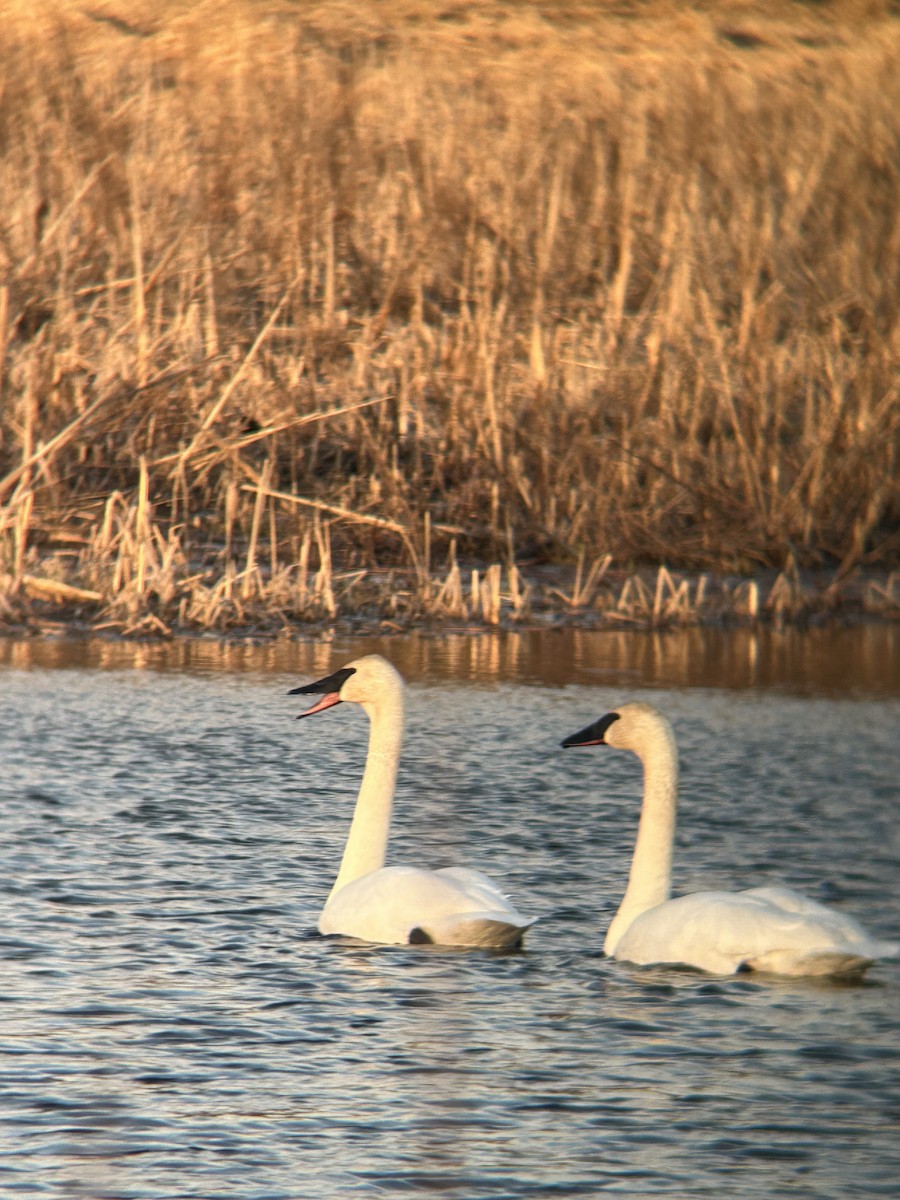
(852, 961)
(493, 930)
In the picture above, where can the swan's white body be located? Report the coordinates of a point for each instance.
(397, 905)
(764, 929)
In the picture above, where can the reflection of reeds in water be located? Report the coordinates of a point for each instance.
(863, 659)
(298, 308)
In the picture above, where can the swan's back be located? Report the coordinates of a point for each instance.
(400, 905)
(765, 929)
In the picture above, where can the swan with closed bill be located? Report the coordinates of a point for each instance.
(395, 905)
(771, 929)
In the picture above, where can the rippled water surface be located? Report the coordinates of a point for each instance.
(172, 1026)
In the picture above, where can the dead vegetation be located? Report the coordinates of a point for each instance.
(388, 314)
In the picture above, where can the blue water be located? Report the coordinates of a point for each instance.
(171, 1025)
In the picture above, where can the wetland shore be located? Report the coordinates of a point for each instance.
(492, 316)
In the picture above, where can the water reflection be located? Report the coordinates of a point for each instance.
(858, 660)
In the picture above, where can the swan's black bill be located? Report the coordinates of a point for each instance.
(591, 735)
(329, 688)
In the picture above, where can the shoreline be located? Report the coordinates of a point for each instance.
(477, 600)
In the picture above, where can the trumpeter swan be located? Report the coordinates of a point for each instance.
(764, 929)
(396, 905)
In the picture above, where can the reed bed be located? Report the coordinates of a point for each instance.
(473, 313)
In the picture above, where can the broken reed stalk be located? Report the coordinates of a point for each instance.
(250, 582)
(323, 582)
(24, 510)
(490, 594)
(344, 514)
(142, 528)
(139, 309)
(585, 587)
(227, 447)
(46, 451)
(4, 332)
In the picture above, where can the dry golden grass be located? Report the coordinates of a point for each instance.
(309, 309)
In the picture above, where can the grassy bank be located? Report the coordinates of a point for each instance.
(311, 310)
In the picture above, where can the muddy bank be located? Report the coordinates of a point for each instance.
(478, 598)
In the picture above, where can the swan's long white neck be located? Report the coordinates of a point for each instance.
(367, 841)
(650, 879)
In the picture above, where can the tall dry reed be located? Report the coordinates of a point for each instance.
(297, 295)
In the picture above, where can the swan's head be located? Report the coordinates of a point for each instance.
(634, 726)
(369, 681)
